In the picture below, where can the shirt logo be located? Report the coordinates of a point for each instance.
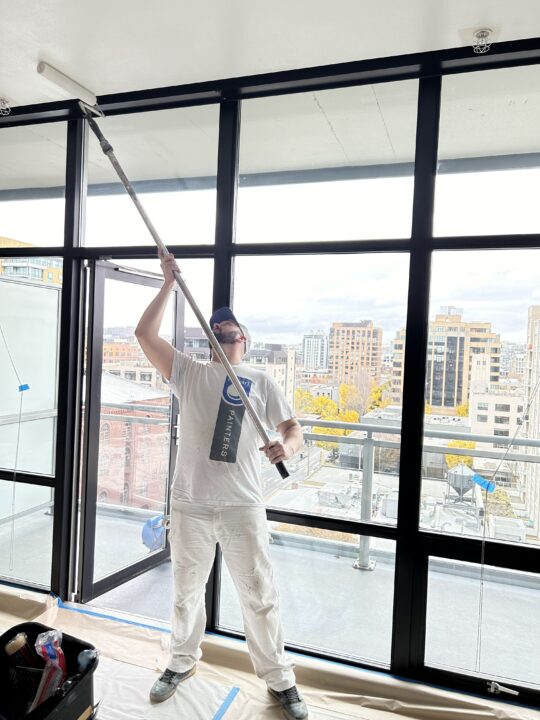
(229, 422)
(230, 393)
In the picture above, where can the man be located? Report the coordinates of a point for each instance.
(216, 497)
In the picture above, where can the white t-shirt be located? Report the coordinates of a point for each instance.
(218, 460)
